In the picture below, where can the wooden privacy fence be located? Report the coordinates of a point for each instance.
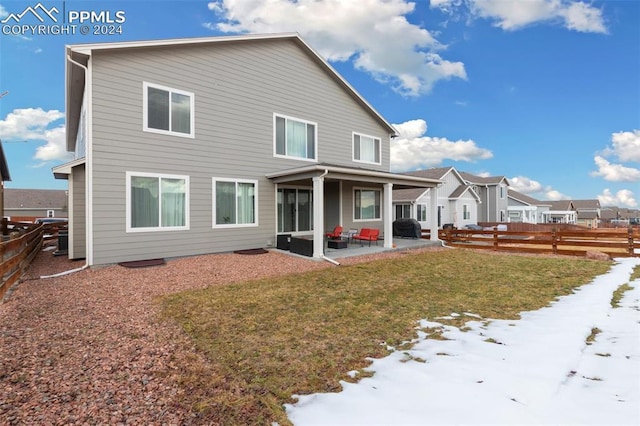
(22, 245)
(614, 242)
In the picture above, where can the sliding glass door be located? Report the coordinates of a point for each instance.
(295, 210)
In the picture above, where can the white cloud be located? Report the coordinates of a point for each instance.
(36, 124)
(525, 185)
(535, 189)
(615, 172)
(28, 123)
(55, 148)
(622, 198)
(374, 34)
(626, 146)
(412, 150)
(513, 15)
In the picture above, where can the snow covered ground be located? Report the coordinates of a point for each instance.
(536, 370)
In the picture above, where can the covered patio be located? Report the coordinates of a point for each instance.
(335, 190)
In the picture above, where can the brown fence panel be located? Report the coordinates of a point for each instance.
(620, 243)
(18, 253)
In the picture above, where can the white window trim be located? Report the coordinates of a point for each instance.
(213, 203)
(290, 157)
(378, 219)
(145, 112)
(159, 228)
(353, 151)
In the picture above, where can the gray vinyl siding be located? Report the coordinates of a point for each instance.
(237, 88)
(78, 230)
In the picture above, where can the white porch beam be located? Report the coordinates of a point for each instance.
(388, 216)
(318, 216)
(433, 206)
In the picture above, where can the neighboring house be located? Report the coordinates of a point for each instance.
(620, 216)
(193, 146)
(35, 203)
(588, 212)
(4, 177)
(493, 196)
(561, 211)
(458, 203)
(525, 209)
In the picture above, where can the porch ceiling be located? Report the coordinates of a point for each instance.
(332, 172)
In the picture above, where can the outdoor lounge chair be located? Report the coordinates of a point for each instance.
(367, 234)
(335, 234)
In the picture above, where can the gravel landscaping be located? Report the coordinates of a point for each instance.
(89, 348)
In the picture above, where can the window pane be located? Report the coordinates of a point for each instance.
(368, 204)
(304, 210)
(144, 202)
(366, 149)
(296, 139)
(173, 202)
(357, 204)
(376, 150)
(311, 145)
(157, 109)
(280, 136)
(406, 211)
(356, 147)
(180, 113)
(225, 203)
(246, 203)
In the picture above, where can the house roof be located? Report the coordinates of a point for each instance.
(480, 180)
(586, 204)
(35, 198)
(411, 194)
(523, 198)
(461, 190)
(434, 173)
(78, 56)
(4, 168)
(329, 171)
(561, 205)
(588, 215)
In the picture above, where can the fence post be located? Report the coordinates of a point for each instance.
(630, 240)
(495, 238)
(554, 241)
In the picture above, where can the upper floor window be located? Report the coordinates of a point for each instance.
(235, 202)
(157, 202)
(366, 149)
(367, 204)
(295, 138)
(168, 111)
(503, 191)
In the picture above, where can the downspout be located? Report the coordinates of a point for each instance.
(323, 257)
(86, 265)
(60, 274)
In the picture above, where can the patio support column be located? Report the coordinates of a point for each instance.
(318, 216)
(388, 216)
(433, 206)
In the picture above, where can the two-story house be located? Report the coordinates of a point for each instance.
(458, 203)
(193, 146)
(588, 212)
(493, 195)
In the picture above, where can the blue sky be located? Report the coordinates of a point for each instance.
(544, 92)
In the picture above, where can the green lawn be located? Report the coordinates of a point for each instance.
(268, 339)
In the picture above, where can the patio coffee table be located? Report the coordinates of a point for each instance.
(337, 244)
